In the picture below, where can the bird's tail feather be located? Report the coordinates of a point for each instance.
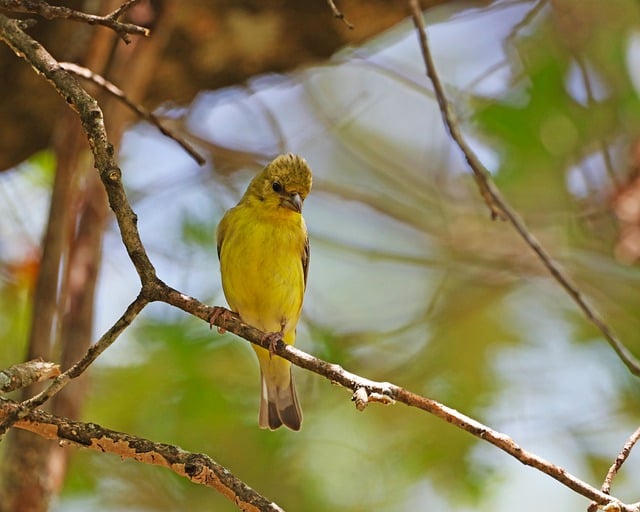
(279, 404)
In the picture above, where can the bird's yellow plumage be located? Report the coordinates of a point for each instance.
(264, 255)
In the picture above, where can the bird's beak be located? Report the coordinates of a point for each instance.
(293, 202)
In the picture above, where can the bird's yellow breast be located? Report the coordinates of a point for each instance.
(261, 266)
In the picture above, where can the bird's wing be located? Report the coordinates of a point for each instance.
(305, 259)
(222, 229)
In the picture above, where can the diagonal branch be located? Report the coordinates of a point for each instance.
(337, 13)
(382, 392)
(364, 390)
(500, 208)
(51, 12)
(197, 467)
(93, 124)
(112, 89)
(77, 369)
(617, 464)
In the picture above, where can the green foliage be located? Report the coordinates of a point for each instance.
(42, 168)
(570, 95)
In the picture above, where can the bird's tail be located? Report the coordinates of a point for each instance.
(278, 402)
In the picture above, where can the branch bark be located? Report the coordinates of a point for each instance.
(51, 12)
(22, 375)
(197, 467)
(142, 112)
(615, 467)
(501, 209)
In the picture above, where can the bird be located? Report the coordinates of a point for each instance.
(263, 248)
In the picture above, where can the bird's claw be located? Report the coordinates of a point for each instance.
(217, 312)
(272, 338)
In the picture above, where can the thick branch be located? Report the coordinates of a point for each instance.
(51, 12)
(22, 375)
(197, 467)
(500, 208)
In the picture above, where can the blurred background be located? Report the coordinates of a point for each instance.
(410, 280)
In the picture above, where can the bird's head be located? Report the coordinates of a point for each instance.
(284, 182)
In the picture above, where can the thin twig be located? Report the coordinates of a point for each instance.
(617, 464)
(197, 467)
(122, 9)
(480, 173)
(338, 14)
(499, 206)
(77, 369)
(620, 460)
(138, 109)
(51, 12)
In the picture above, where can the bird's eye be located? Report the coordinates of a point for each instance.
(276, 187)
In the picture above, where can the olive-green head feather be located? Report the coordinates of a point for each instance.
(284, 182)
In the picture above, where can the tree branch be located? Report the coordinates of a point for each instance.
(77, 369)
(384, 392)
(365, 390)
(93, 124)
(51, 12)
(145, 114)
(337, 13)
(500, 208)
(617, 464)
(197, 467)
(22, 375)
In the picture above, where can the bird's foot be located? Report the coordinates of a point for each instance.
(217, 313)
(272, 338)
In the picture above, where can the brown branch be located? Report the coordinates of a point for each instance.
(51, 12)
(620, 459)
(617, 464)
(338, 14)
(480, 173)
(93, 124)
(197, 467)
(145, 114)
(77, 369)
(500, 208)
(22, 375)
(366, 390)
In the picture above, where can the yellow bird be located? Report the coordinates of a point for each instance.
(263, 249)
